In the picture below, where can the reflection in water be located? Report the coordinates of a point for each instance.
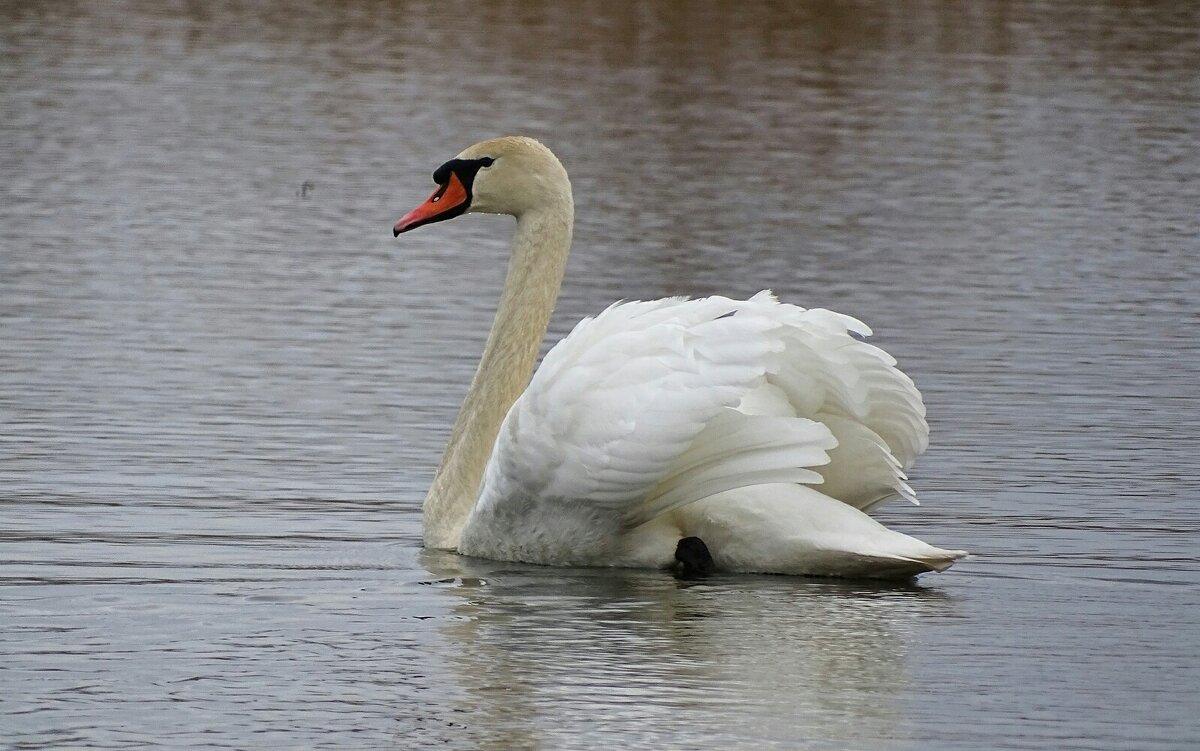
(544, 655)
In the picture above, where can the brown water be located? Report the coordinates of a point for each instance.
(224, 387)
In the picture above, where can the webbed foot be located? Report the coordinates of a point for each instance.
(692, 559)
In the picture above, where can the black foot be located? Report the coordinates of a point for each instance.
(692, 559)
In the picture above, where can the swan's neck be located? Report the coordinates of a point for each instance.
(535, 271)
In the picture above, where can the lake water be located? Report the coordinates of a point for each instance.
(224, 387)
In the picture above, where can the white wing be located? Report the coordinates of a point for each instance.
(872, 408)
(653, 405)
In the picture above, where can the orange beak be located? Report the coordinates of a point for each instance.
(447, 202)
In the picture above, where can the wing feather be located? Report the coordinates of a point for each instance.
(622, 397)
(653, 405)
(872, 408)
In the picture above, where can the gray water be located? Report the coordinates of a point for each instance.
(224, 386)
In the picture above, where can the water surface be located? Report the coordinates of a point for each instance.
(224, 386)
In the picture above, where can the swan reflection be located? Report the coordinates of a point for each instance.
(555, 658)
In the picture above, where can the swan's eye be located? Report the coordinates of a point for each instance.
(486, 162)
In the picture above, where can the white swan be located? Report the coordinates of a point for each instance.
(709, 434)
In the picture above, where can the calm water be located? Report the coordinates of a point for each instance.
(224, 386)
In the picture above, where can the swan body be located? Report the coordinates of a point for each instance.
(765, 430)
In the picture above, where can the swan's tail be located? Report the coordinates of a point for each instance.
(944, 560)
(794, 529)
(936, 559)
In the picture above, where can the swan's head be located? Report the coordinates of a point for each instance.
(510, 175)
